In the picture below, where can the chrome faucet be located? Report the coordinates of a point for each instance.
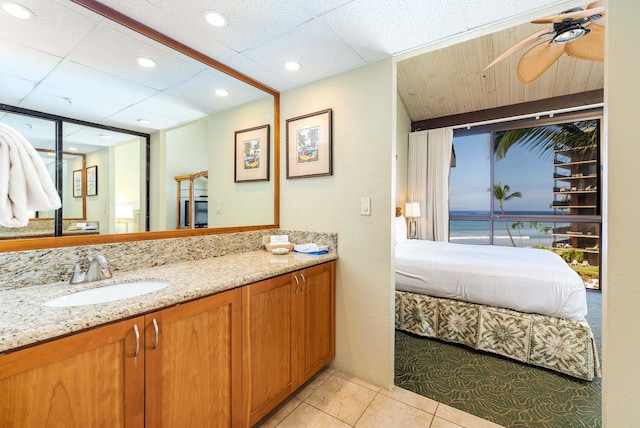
(98, 269)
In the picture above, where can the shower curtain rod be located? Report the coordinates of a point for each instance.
(538, 115)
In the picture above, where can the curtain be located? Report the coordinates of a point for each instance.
(428, 181)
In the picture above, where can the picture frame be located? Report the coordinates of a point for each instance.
(309, 151)
(92, 180)
(251, 154)
(77, 183)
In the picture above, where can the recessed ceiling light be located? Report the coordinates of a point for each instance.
(73, 149)
(293, 66)
(17, 10)
(144, 121)
(222, 92)
(215, 18)
(106, 136)
(146, 62)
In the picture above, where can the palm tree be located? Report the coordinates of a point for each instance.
(546, 230)
(544, 139)
(518, 225)
(502, 194)
(536, 225)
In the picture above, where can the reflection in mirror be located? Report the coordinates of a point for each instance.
(88, 72)
(88, 198)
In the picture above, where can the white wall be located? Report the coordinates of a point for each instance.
(402, 153)
(98, 205)
(187, 152)
(364, 108)
(126, 180)
(621, 283)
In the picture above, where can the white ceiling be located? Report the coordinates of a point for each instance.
(71, 62)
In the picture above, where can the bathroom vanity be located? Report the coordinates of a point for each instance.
(228, 340)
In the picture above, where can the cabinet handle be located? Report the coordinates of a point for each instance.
(155, 327)
(304, 282)
(135, 330)
(297, 284)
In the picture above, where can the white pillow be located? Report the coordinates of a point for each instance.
(400, 226)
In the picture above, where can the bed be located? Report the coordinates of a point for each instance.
(522, 303)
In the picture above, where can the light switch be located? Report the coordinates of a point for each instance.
(218, 207)
(365, 206)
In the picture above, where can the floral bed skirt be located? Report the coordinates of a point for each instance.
(554, 343)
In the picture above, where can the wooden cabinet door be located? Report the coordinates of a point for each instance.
(89, 379)
(193, 363)
(268, 345)
(316, 319)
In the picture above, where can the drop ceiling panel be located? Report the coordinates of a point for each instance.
(54, 29)
(317, 48)
(51, 100)
(128, 119)
(378, 29)
(14, 89)
(249, 24)
(24, 62)
(113, 50)
(200, 90)
(277, 79)
(77, 78)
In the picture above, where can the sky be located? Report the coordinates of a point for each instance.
(521, 170)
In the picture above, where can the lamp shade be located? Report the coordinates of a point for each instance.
(124, 211)
(412, 209)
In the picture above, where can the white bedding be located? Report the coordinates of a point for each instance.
(523, 279)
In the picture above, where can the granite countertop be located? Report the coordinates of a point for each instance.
(24, 320)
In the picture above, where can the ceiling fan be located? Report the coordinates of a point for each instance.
(572, 34)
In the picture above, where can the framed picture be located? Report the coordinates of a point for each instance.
(252, 154)
(92, 180)
(77, 183)
(309, 145)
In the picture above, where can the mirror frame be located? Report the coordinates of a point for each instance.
(69, 241)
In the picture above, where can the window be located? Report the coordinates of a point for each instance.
(530, 187)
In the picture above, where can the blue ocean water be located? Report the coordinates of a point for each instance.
(477, 232)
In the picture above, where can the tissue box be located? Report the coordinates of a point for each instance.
(277, 241)
(287, 245)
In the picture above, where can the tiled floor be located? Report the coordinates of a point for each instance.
(335, 400)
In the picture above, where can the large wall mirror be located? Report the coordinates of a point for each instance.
(129, 133)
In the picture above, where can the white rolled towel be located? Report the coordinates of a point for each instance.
(25, 183)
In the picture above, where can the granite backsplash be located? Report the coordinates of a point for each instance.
(35, 267)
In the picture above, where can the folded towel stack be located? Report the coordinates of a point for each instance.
(311, 248)
(25, 183)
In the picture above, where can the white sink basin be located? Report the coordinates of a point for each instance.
(109, 293)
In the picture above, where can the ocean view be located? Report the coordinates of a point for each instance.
(477, 232)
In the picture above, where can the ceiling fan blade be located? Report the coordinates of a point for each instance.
(521, 44)
(596, 4)
(537, 60)
(570, 15)
(589, 47)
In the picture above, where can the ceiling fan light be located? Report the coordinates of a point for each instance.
(569, 34)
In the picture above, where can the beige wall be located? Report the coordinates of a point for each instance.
(363, 103)
(403, 129)
(241, 204)
(621, 281)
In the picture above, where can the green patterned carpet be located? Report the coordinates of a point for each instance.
(497, 389)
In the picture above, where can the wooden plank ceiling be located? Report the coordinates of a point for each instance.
(451, 80)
